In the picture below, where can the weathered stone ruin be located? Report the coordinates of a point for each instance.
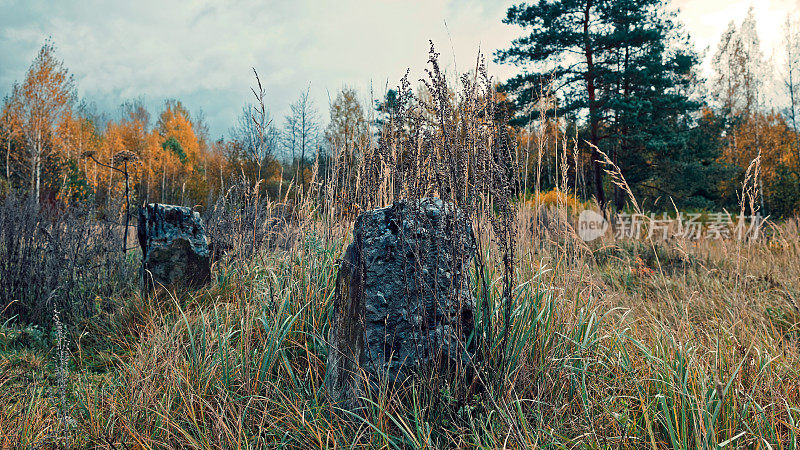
(403, 301)
(174, 247)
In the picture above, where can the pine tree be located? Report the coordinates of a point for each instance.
(624, 66)
(566, 46)
(649, 114)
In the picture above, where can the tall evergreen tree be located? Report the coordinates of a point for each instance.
(649, 115)
(386, 108)
(566, 46)
(621, 64)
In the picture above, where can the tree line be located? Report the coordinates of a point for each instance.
(627, 83)
(58, 149)
(616, 83)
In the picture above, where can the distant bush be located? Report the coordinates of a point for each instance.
(783, 193)
(554, 197)
(57, 257)
(243, 221)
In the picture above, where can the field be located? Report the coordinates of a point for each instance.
(614, 343)
(681, 342)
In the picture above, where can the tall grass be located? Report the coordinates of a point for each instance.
(56, 257)
(609, 344)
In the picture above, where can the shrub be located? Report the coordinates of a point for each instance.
(243, 221)
(554, 197)
(54, 257)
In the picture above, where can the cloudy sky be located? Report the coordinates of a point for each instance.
(203, 51)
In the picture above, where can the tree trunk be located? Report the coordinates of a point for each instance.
(622, 121)
(594, 119)
(108, 188)
(127, 212)
(302, 159)
(33, 174)
(36, 169)
(8, 161)
(163, 182)
(303, 149)
(38, 178)
(793, 101)
(619, 194)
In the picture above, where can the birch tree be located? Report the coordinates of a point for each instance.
(45, 97)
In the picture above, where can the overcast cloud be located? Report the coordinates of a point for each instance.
(202, 52)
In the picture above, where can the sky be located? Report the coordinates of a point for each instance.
(202, 52)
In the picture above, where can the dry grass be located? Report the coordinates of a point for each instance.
(609, 344)
(700, 349)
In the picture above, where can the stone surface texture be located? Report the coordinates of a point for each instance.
(174, 246)
(403, 301)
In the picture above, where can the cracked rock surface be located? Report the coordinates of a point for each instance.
(403, 301)
(174, 246)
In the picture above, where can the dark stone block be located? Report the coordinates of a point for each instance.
(403, 302)
(174, 247)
